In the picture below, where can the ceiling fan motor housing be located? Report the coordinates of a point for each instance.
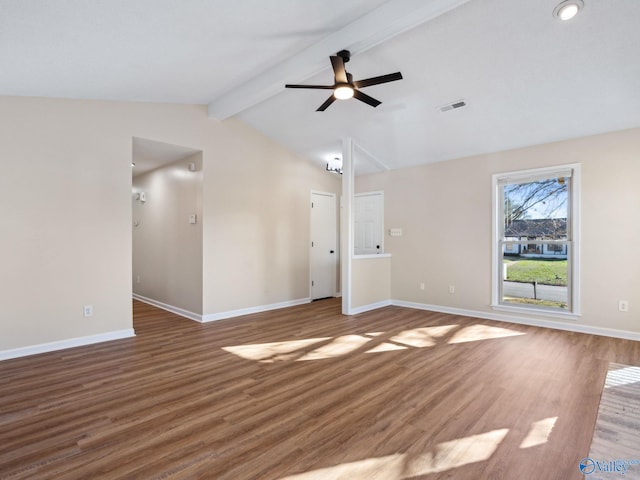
(345, 55)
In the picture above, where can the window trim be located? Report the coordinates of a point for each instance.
(497, 208)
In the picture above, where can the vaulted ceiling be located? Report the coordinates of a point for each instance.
(526, 77)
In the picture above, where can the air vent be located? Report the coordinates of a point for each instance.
(453, 105)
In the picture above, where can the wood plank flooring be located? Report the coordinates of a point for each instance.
(306, 393)
(617, 430)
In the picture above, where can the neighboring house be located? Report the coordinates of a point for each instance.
(535, 230)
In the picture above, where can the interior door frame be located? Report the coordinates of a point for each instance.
(337, 239)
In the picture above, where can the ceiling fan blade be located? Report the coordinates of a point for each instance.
(338, 69)
(328, 102)
(363, 97)
(321, 87)
(391, 77)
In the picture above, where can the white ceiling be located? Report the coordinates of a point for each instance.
(527, 77)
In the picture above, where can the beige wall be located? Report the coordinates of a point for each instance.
(256, 221)
(65, 237)
(65, 205)
(167, 249)
(66, 229)
(371, 281)
(444, 210)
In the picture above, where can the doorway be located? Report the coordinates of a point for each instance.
(324, 239)
(167, 245)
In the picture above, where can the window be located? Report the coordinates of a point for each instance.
(557, 248)
(535, 258)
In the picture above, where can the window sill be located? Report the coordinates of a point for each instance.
(537, 312)
(373, 255)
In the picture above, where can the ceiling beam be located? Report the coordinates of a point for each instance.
(372, 158)
(385, 22)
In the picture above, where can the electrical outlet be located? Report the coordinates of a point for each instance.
(452, 289)
(623, 305)
(88, 310)
(138, 279)
(421, 285)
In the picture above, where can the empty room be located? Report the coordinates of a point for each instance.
(300, 240)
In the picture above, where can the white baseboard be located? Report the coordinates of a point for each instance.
(535, 322)
(169, 308)
(371, 306)
(212, 317)
(64, 344)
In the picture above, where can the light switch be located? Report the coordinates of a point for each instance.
(193, 218)
(395, 232)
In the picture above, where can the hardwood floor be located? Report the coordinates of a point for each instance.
(306, 393)
(617, 429)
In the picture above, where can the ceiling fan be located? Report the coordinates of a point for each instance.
(344, 87)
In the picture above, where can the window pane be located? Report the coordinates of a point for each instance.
(534, 244)
(536, 210)
(536, 279)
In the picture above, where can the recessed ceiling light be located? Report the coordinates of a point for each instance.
(568, 9)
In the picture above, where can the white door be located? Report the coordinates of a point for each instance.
(324, 256)
(368, 223)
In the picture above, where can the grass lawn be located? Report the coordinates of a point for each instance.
(547, 271)
(539, 303)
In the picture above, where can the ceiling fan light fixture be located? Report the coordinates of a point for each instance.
(343, 92)
(344, 87)
(568, 9)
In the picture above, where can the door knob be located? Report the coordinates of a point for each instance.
(332, 251)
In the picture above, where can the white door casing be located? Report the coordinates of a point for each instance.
(368, 223)
(324, 253)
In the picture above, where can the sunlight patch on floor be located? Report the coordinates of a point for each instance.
(295, 350)
(416, 338)
(473, 333)
(339, 346)
(445, 456)
(539, 432)
(456, 453)
(381, 468)
(422, 337)
(386, 347)
(274, 351)
(622, 376)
